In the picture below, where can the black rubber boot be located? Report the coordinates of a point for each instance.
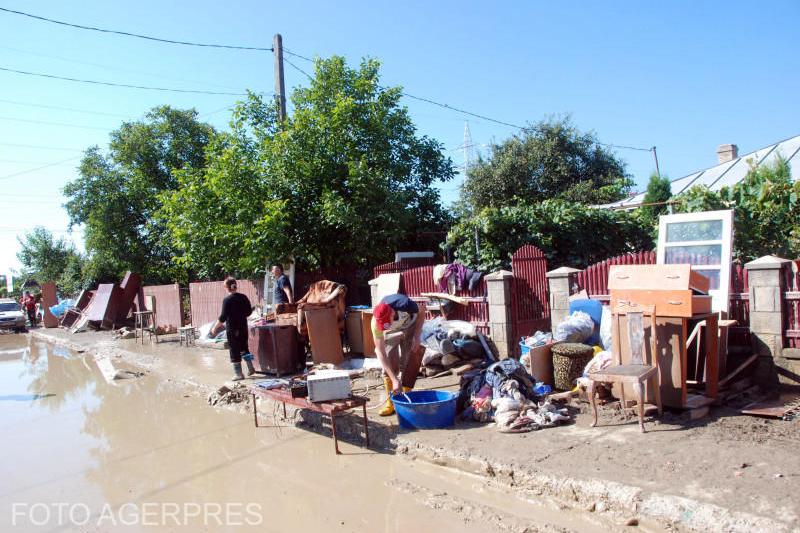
(237, 372)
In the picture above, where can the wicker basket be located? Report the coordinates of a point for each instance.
(569, 360)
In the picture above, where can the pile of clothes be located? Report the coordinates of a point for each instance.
(449, 344)
(455, 276)
(504, 393)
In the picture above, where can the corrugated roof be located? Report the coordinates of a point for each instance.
(729, 173)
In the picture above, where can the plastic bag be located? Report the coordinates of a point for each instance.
(458, 328)
(576, 328)
(605, 328)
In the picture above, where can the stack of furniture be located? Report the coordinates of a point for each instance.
(680, 299)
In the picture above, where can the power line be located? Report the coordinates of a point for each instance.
(59, 108)
(125, 85)
(39, 147)
(137, 35)
(286, 50)
(623, 147)
(298, 68)
(19, 162)
(15, 174)
(470, 113)
(48, 123)
(116, 69)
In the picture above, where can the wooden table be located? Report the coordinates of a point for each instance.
(671, 341)
(332, 408)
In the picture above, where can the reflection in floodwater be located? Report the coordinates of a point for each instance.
(75, 440)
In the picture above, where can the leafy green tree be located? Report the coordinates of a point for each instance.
(659, 191)
(116, 194)
(569, 234)
(45, 258)
(345, 180)
(766, 210)
(549, 160)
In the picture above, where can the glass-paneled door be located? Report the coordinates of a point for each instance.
(704, 241)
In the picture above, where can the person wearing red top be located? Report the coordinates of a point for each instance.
(28, 303)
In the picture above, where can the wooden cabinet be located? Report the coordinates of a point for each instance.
(680, 297)
(675, 290)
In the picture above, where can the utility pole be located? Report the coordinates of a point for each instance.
(280, 89)
(655, 156)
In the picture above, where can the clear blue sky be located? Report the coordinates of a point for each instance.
(684, 76)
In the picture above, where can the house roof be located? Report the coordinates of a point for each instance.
(728, 173)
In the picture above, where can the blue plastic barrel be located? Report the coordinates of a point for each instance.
(425, 409)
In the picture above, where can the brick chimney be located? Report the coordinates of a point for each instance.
(727, 152)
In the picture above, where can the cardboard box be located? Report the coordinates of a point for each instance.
(541, 363)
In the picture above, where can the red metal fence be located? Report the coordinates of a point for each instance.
(791, 311)
(739, 306)
(206, 298)
(169, 312)
(530, 305)
(417, 280)
(594, 278)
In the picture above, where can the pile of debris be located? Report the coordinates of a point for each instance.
(452, 347)
(228, 394)
(504, 393)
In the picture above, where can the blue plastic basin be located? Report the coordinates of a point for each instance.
(425, 409)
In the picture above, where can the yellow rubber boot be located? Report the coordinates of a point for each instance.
(388, 407)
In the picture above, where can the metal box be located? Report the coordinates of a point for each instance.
(276, 349)
(328, 385)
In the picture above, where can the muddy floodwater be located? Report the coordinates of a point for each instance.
(82, 454)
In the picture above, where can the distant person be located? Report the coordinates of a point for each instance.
(283, 287)
(235, 310)
(396, 329)
(28, 303)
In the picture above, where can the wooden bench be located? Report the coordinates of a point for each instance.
(331, 408)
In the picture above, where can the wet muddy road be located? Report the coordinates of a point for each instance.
(82, 454)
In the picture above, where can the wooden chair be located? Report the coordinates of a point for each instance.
(635, 371)
(146, 319)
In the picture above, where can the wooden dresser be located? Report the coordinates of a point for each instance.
(681, 300)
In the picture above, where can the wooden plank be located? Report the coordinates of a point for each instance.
(747, 362)
(695, 401)
(712, 356)
(771, 408)
(444, 296)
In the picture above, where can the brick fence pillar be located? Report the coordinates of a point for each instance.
(561, 282)
(766, 288)
(501, 327)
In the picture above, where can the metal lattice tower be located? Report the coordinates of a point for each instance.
(469, 149)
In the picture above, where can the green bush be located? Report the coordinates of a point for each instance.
(569, 234)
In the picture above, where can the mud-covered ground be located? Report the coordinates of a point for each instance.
(725, 472)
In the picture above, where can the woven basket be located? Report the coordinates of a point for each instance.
(569, 360)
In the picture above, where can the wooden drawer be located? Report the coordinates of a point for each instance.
(674, 303)
(657, 278)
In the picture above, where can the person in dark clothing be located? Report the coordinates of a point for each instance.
(283, 287)
(235, 310)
